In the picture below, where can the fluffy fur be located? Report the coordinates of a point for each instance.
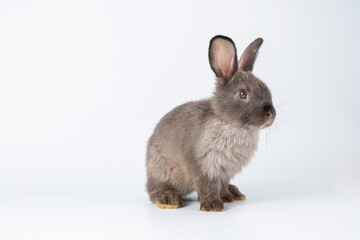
(199, 146)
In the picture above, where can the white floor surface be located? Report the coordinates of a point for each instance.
(270, 212)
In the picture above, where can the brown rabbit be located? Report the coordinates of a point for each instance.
(199, 146)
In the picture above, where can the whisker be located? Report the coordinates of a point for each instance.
(281, 105)
(266, 143)
(273, 141)
(270, 136)
(266, 140)
(280, 131)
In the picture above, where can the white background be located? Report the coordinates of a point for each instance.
(83, 83)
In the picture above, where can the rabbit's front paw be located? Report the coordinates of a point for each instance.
(212, 206)
(236, 193)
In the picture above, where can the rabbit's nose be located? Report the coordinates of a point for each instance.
(269, 110)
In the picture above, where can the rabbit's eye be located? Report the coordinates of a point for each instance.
(243, 94)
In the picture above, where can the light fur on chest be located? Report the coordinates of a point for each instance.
(224, 149)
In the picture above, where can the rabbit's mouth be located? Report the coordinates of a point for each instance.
(269, 121)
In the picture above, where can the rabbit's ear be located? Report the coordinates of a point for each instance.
(223, 58)
(247, 60)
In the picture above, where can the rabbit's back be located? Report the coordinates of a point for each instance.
(171, 149)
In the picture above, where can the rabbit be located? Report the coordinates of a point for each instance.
(200, 145)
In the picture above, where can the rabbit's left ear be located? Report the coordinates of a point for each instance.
(223, 58)
(247, 60)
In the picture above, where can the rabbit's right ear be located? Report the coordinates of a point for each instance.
(223, 58)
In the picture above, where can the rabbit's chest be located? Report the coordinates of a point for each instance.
(224, 149)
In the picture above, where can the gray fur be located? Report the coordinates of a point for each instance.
(199, 146)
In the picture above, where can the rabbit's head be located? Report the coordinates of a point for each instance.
(239, 97)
